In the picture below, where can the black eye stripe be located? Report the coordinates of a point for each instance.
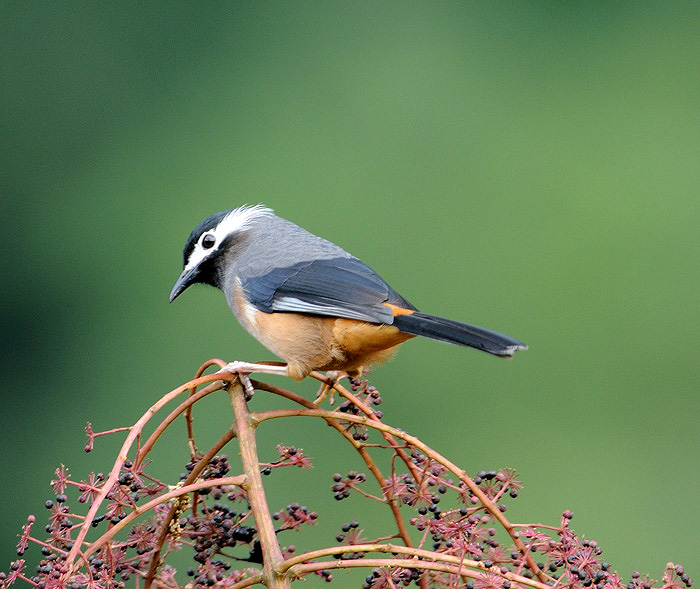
(208, 241)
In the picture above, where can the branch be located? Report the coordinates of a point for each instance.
(139, 510)
(186, 407)
(196, 471)
(359, 447)
(188, 413)
(415, 442)
(217, 521)
(134, 433)
(245, 430)
(426, 556)
(394, 563)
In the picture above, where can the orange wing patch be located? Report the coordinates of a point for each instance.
(399, 310)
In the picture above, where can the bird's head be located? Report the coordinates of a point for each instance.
(212, 244)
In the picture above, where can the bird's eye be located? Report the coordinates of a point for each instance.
(208, 241)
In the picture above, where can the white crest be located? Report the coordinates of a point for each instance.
(235, 221)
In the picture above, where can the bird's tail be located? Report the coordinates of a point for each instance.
(455, 332)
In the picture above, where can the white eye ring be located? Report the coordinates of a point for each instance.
(208, 241)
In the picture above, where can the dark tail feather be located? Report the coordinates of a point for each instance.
(455, 332)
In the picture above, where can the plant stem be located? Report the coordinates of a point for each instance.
(360, 447)
(188, 412)
(134, 433)
(441, 566)
(163, 425)
(425, 555)
(164, 498)
(245, 431)
(415, 442)
(192, 477)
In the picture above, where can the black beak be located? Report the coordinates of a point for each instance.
(187, 278)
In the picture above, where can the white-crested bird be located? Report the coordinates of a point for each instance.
(308, 300)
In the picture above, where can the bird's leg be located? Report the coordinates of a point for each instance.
(333, 377)
(244, 369)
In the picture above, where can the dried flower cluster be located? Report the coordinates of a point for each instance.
(450, 528)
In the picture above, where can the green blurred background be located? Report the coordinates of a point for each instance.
(530, 167)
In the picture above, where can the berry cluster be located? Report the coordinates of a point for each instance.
(365, 398)
(294, 516)
(350, 535)
(387, 577)
(289, 456)
(343, 485)
(468, 533)
(451, 529)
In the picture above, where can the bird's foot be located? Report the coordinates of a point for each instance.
(245, 369)
(326, 389)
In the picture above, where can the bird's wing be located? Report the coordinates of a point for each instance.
(336, 287)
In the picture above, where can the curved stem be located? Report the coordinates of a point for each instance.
(406, 563)
(359, 447)
(413, 441)
(164, 498)
(185, 406)
(367, 410)
(134, 433)
(191, 478)
(254, 580)
(427, 556)
(188, 414)
(398, 451)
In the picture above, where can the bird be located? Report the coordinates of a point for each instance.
(307, 300)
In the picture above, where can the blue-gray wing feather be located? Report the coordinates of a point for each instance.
(335, 287)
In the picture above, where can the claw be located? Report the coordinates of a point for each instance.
(244, 369)
(326, 388)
